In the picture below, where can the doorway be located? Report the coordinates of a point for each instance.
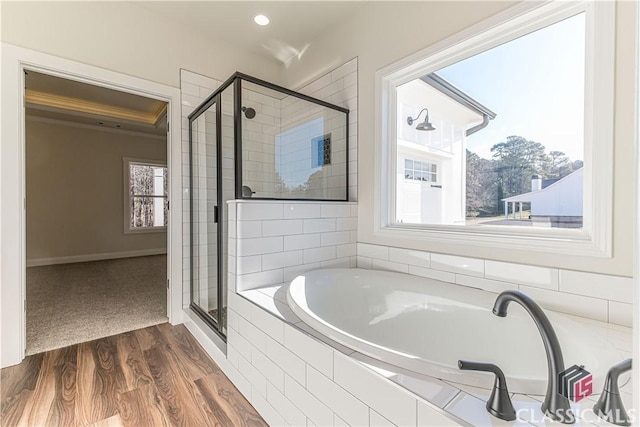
(96, 211)
(15, 60)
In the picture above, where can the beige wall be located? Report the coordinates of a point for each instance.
(417, 25)
(125, 37)
(75, 200)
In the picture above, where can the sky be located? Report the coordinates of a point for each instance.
(535, 85)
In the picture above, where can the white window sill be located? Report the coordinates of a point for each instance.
(568, 242)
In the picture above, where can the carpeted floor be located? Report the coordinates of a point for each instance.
(73, 303)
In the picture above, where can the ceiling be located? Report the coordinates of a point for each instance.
(294, 24)
(68, 100)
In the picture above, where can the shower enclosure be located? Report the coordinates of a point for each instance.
(251, 139)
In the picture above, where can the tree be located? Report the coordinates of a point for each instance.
(558, 165)
(141, 184)
(508, 173)
(515, 161)
(481, 187)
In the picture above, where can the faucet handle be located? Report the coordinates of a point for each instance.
(610, 407)
(499, 404)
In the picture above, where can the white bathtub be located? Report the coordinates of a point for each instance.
(425, 326)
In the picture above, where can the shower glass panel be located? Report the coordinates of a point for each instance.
(228, 193)
(293, 147)
(253, 139)
(205, 232)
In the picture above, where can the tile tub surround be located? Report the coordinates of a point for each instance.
(593, 296)
(308, 376)
(271, 242)
(293, 378)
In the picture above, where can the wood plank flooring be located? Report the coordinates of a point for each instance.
(156, 376)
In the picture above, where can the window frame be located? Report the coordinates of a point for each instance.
(126, 165)
(430, 171)
(595, 238)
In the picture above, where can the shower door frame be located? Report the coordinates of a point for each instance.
(214, 99)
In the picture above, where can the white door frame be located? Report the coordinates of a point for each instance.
(12, 182)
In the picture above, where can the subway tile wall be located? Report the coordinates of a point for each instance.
(293, 378)
(594, 296)
(276, 241)
(303, 122)
(340, 87)
(258, 136)
(276, 141)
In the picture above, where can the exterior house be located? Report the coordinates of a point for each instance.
(556, 205)
(431, 165)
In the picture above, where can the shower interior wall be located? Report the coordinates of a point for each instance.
(258, 136)
(278, 152)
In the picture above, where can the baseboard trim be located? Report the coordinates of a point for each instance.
(37, 262)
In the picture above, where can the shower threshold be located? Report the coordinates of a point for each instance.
(214, 313)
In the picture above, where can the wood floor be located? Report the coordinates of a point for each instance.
(156, 376)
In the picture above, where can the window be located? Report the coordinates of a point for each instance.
(420, 171)
(501, 117)
(509, 116)
(145, 196)
(321, 151)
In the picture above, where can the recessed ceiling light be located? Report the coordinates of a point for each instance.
(261, 20)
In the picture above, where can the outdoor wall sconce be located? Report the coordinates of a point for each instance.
(426, 125)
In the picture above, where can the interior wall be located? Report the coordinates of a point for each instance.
(377, 44)
(258, 139)
(125, 37)
(75, 200)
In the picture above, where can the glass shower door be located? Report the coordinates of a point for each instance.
(206, 290)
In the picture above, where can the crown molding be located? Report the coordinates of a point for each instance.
(58, 102)
(95, 128)
(160, 115)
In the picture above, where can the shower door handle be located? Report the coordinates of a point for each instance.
(215, 214)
